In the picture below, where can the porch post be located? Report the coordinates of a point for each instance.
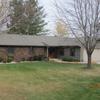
(47, 52)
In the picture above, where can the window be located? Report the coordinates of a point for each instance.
(10, 50)
(72, 52)
(61, 52)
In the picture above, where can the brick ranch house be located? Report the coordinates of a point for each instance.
(24, 46)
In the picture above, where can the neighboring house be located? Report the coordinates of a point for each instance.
(25, 47)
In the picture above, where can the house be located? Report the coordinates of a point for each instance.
(25, 46)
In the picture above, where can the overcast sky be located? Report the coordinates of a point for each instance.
(51, 12)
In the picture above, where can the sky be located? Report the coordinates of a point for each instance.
(51, 12)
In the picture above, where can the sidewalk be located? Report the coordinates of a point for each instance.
(65, 62)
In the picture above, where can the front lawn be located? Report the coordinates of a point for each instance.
(49, 81)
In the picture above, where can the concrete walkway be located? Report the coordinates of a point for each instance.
(65, 62)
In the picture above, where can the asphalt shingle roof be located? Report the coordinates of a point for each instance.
(26, 40)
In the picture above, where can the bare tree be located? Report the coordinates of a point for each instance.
(83, 19)
(61, 28)
(4, 11)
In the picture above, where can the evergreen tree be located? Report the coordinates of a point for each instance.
(26, 17)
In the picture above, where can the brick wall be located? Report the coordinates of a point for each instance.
(21, 53)
(3, 53)
(39, 51)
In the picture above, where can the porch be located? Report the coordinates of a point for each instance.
(59, 52)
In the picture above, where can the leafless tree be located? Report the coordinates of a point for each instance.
(4, 11)
(83, 19)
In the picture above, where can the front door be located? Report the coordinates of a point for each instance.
(53, 52)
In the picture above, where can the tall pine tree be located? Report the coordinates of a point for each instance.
(26, 17)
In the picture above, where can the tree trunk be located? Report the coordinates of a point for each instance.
(89, 64)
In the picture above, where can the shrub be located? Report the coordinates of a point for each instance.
(35, 58)
(70, 59)
(23, 59)
(10, 58)
(45, 58)
(30, 59)
(4, 60)
(40, 58)
(1, 59)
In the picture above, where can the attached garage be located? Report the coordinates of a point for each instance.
(95, 55)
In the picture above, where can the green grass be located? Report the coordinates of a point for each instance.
(49, 81)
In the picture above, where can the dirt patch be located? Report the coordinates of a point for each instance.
(10, 92)
(94, 86)
(45, 87)
(19, 92)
